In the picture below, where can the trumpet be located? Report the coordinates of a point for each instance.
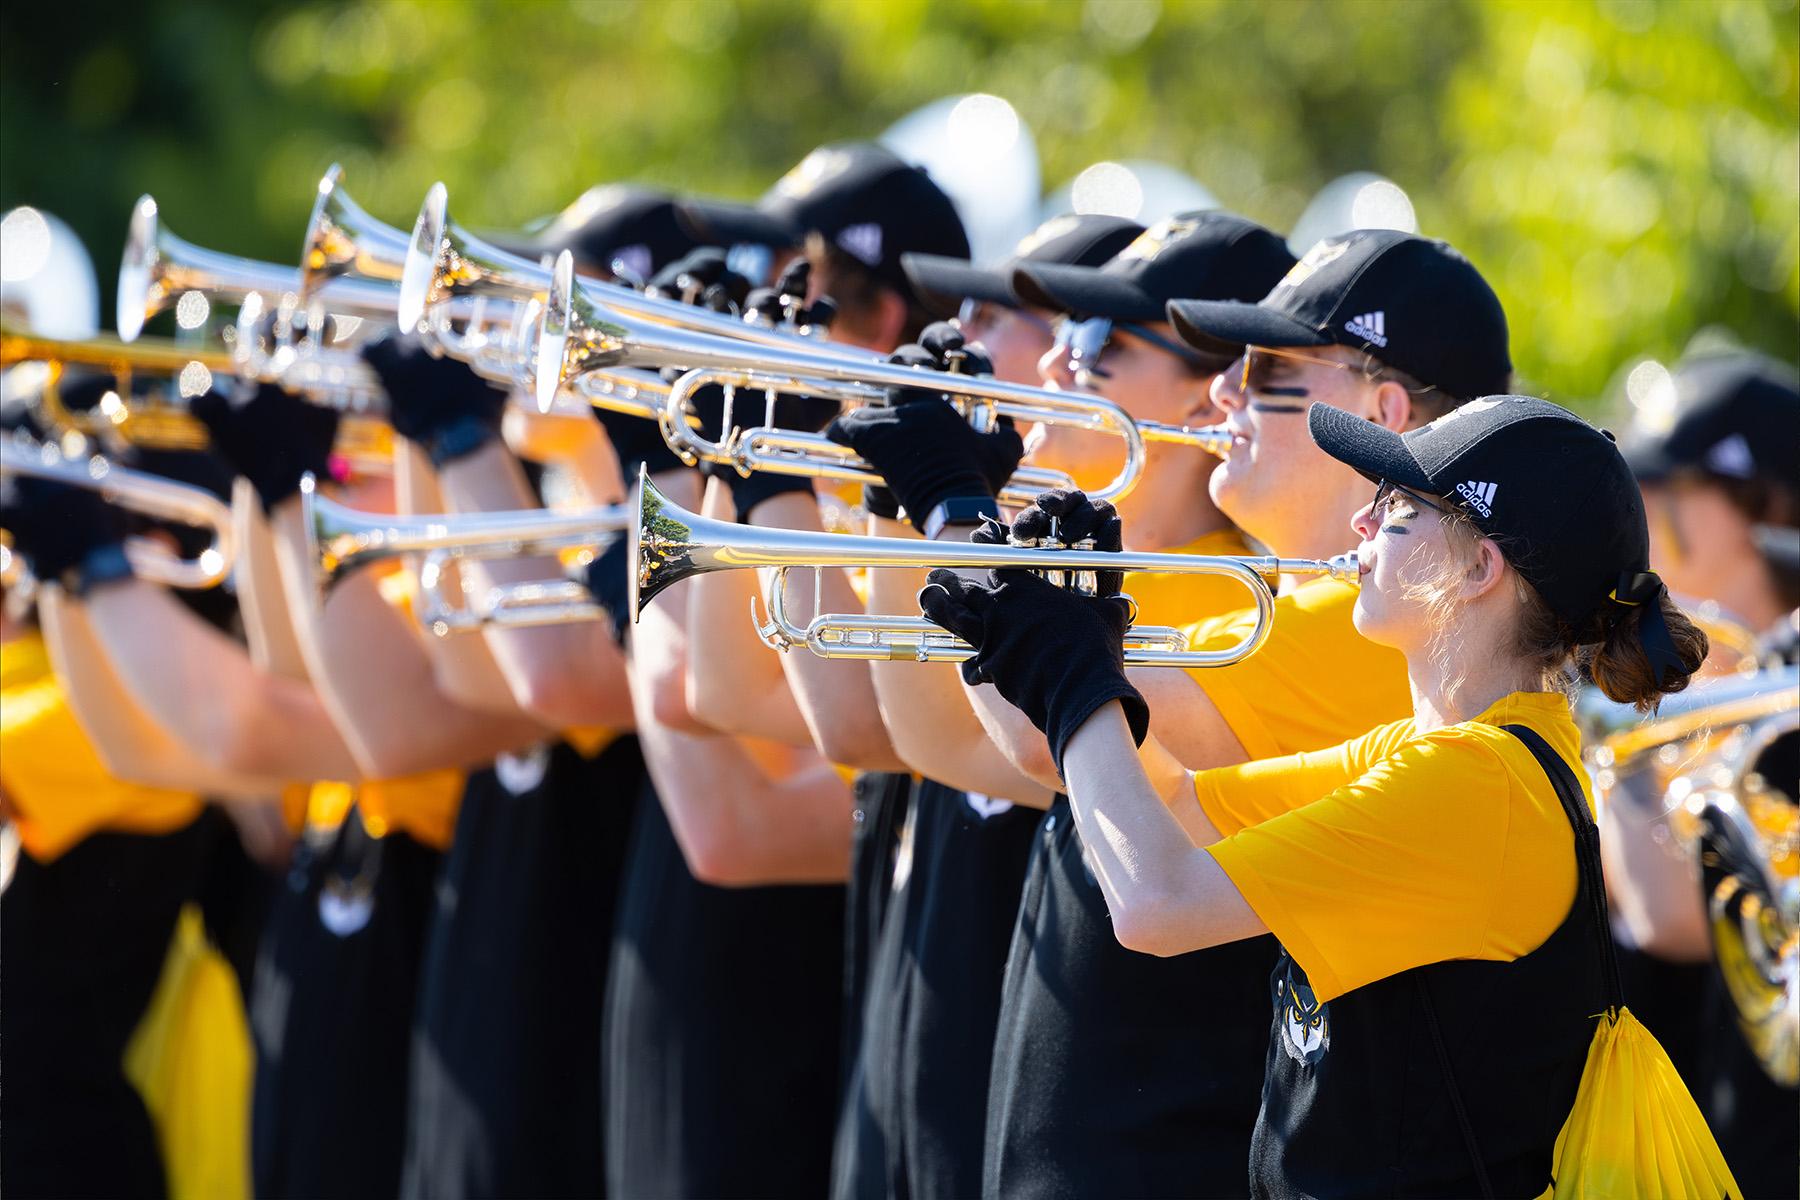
(343, 242)
(670, 544)
(366, 442)
(150, 495)
(341, 539)
(157, 268)
(579, 335)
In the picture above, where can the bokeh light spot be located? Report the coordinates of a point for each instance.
(192, 310)
(24, 244)
(1383, 204)
(1110, 188)
(1651, 390)
(194, 380)
(983, 124)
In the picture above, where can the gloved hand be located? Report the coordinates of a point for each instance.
(1054, 654)
(1067, 516)
(702, 279)
(57, 527)
(438, 402)
(785, 301)
(607, 578)
(271, 439)
(924, 450)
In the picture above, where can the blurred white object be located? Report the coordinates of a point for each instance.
(47, 281)
(1137, 189)
(1360, 200)
(979, 151)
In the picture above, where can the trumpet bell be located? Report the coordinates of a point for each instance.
(424, 250)
(343, 240)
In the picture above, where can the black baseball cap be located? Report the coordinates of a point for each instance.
(635, 226)
(1082, 240)
(1412, 303)
(1211, 254)
(1737, 416)
(859, 196)
(1553, 491)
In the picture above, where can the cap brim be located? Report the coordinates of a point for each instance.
(942, 284)
(721, 223)
(1374, 450)
(1087, 291)
(1227, 326)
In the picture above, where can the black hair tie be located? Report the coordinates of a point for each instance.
(1645, 589)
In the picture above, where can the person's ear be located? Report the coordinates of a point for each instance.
(1391, 406)
(1486, 572)
(890, 315)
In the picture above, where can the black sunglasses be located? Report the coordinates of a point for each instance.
(1087, 339)
(1388, 487)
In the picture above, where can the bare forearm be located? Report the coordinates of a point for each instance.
(836, 697)
(207, 692)
(1166, 896)
(736, 825)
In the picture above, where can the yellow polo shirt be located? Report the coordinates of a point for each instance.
(1398, 849)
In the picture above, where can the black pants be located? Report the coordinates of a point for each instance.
(915, 1121)
(83, 939)
(1118, 1073)
(505, 1079)
(722, 1030)
(332, 1016)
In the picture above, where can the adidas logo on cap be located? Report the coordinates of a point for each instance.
(1479, 495)
(1732, 457)
(863, 241)
(1370, 327)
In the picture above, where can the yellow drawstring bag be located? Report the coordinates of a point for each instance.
(190, 1059)
(1634, 1133)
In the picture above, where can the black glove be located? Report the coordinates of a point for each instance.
(1067, 516)
(702, 279)
(57, 527)
(271, 439)
(784, 303)
(924, 450)
(1054, 654)
(608, 579)
(436, 402)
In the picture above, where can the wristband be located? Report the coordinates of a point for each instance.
(100, 566)
(459, 439)
(958, 510)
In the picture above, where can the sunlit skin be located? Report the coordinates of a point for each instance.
(1170, 505)
(1704, 547)
(1014, 339)
(1275, 480)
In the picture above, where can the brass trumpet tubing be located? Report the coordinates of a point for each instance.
(444, 260)
(916, 639)
(518, 605)
(150, 495)
(579, 335)
(795, 452)
(340, 538)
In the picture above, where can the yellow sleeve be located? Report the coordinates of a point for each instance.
(53, 775)
(1316, 682)
(1249, 792)
(1398, 868)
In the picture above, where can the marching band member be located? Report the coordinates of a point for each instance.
(1427, 867)
(966, 853)
(1721, 492)
(1078, 1018)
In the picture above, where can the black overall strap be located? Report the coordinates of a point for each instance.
(1590, 887)
(1587, 854)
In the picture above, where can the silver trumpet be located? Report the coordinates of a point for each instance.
(341, 539)
(579, 335)
(670, 544)
(158, 268)
(148, 494)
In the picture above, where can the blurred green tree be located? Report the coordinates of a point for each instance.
(1625, 171)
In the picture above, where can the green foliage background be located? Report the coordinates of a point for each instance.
(1627, 172)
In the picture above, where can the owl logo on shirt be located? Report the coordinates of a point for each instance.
(1305, 1024)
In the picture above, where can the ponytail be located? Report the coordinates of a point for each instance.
(1649, 650)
